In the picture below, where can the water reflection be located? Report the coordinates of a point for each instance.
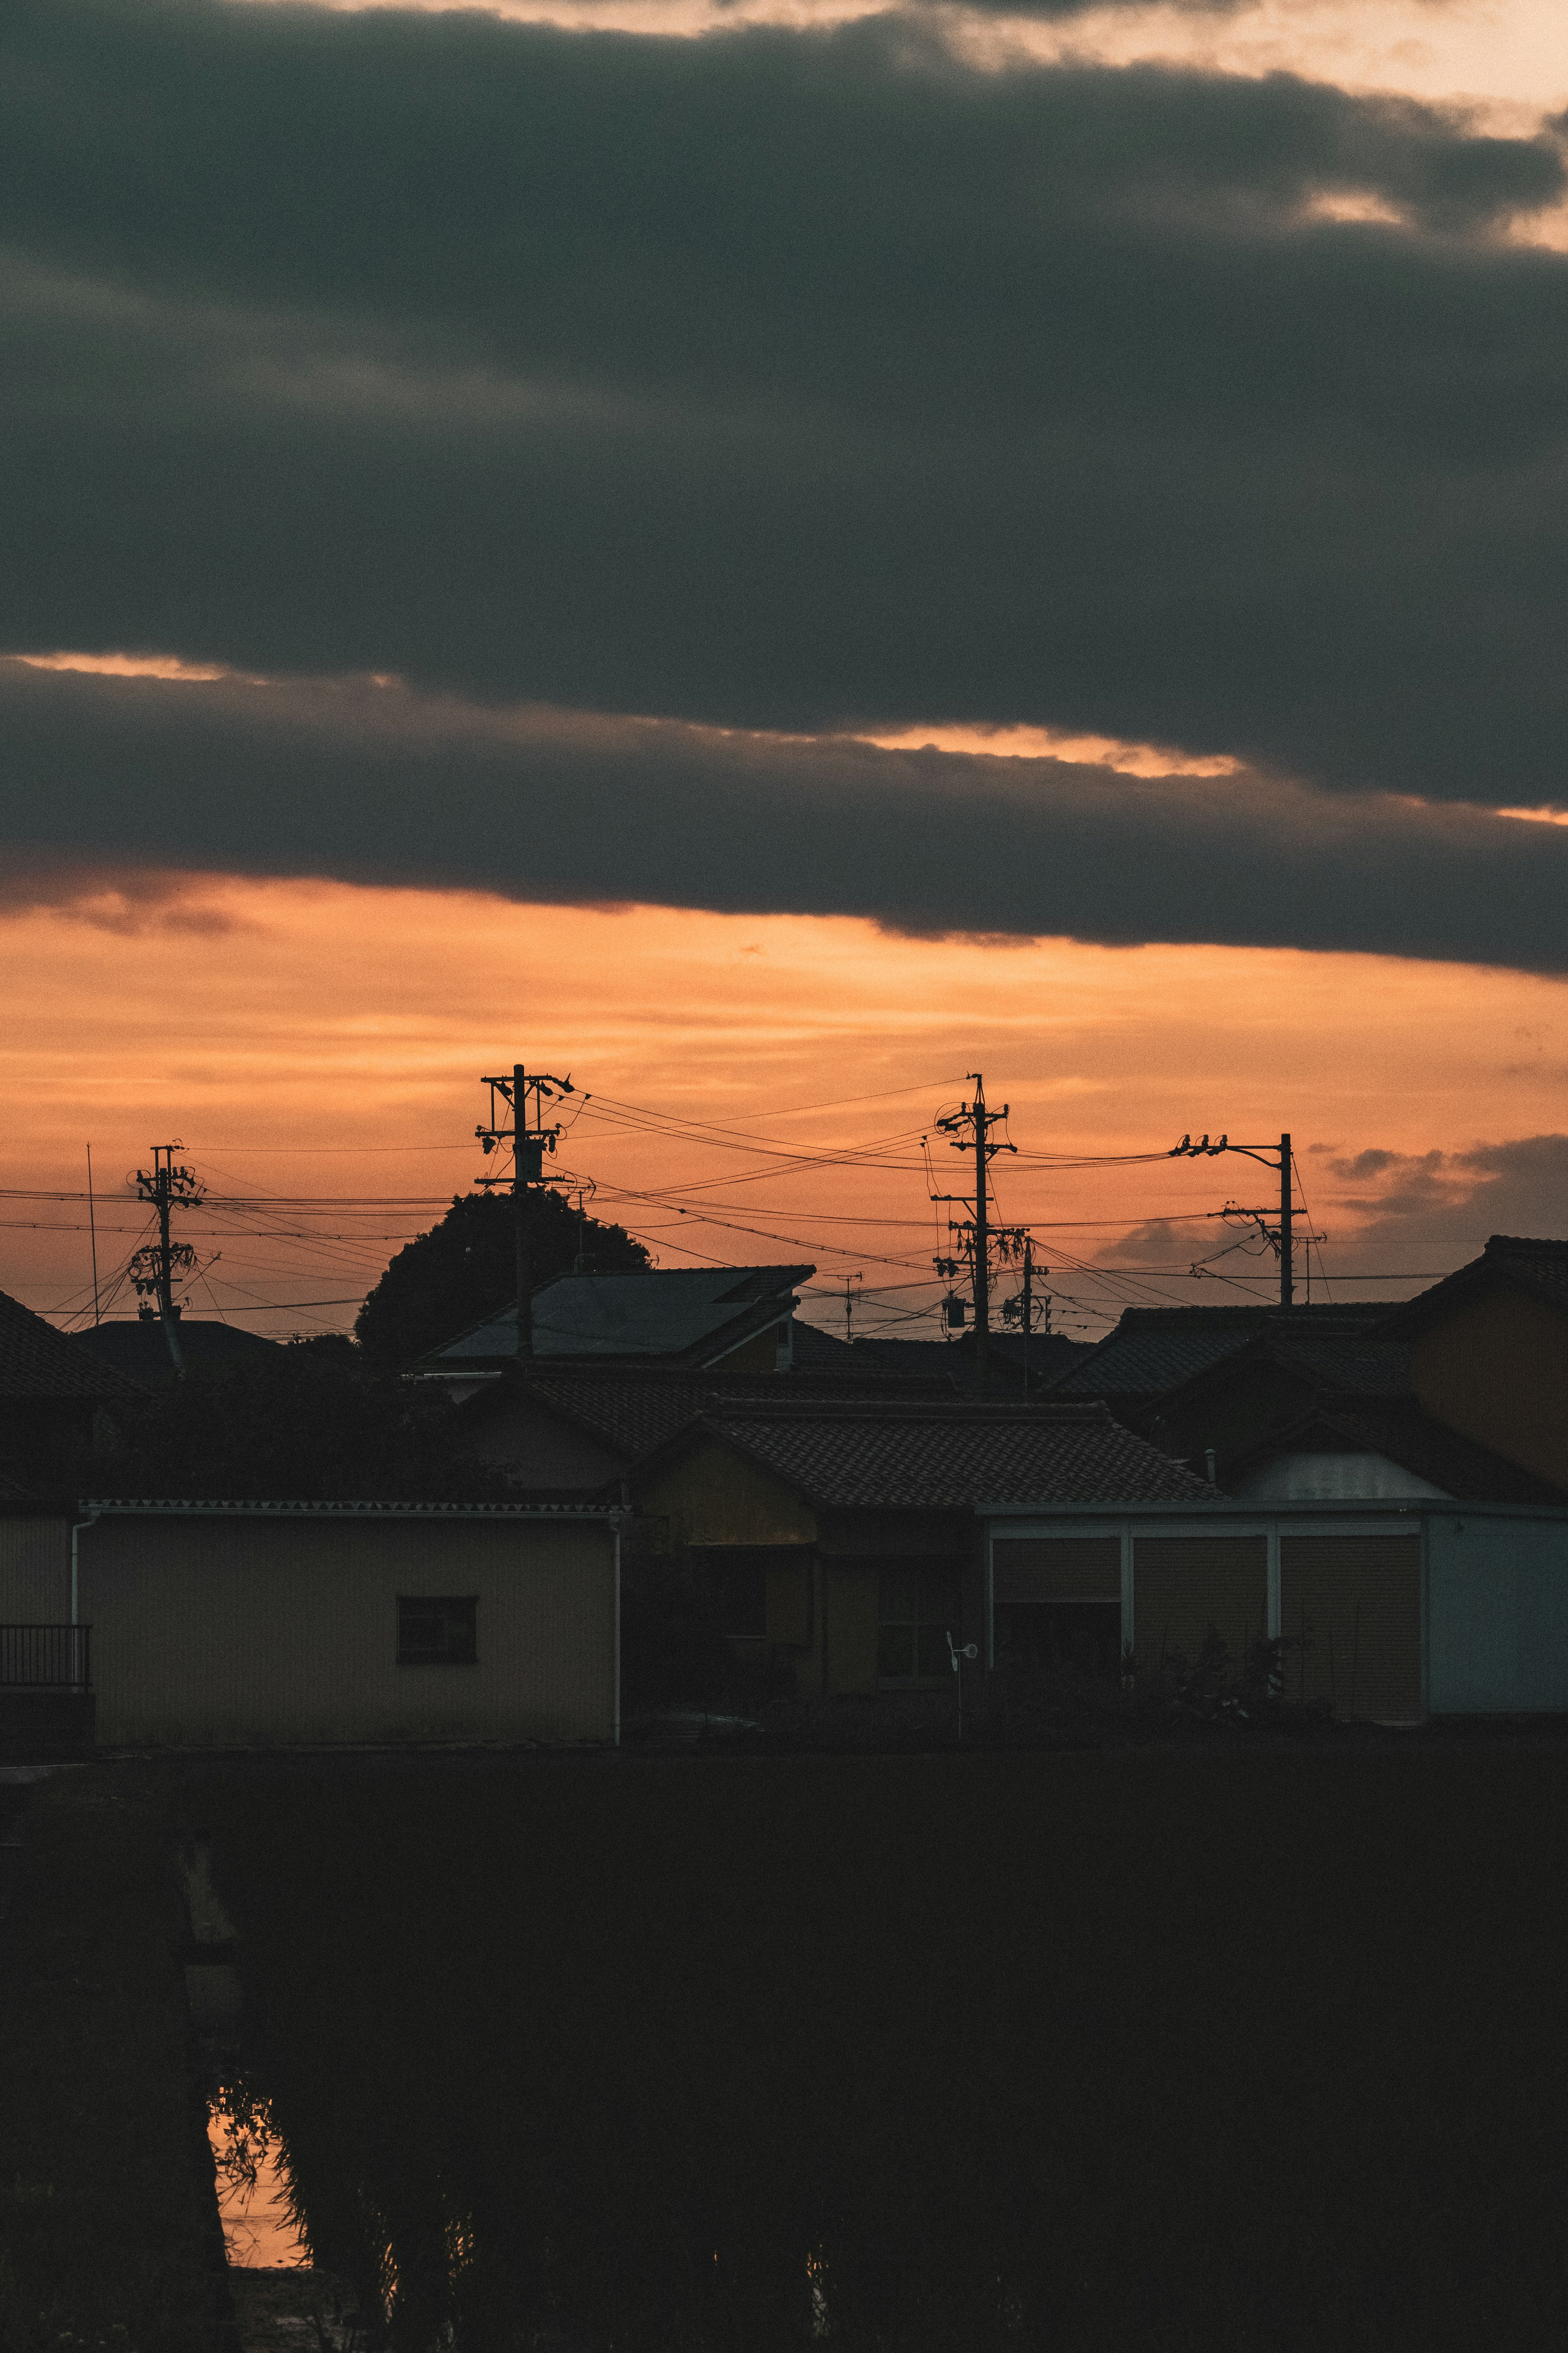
(255, 2194)
(939, 2058)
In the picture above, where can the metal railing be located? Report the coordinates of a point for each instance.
(46, 1658)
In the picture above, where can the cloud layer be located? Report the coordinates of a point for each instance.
(797, 380)
(371, 782)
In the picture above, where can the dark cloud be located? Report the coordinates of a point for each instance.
(375, 784)
(1447, 1203)
(790, 380)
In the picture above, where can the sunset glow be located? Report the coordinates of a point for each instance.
(312, 1040)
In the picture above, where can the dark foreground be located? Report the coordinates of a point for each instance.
(1137, 2050)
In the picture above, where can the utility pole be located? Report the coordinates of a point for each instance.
(93, 1229)
(1028, 1302)
(166, 1188)
(848, 1309)
(530, 1139)
(969, 1130)
(1282, 1236)
(1287, 1231)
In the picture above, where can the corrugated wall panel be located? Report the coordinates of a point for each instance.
(219, 1630)
(1357, 1601)
(34, 1572)
(1183, 1584)
(1057, 1568)
(1497, 1633)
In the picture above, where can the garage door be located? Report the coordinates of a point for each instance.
(1357, 1602)
(1056, 1602)
(1182, 1585)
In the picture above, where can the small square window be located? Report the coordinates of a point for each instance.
(438, 1633)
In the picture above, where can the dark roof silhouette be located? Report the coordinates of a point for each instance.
(1154, 1350)
(949, 1454)
(637, 1409)
(1511, 1262)
(138, 1350)
(37, 1361)
(683, 1314)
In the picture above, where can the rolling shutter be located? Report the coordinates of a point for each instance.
(1357, 1600)
(1057, 1568)
(1182, 1585)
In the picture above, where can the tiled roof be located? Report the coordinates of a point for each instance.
(37, 1361)
(668, 1313)
(1515, 1261)
(632, 1417)
(1399, 1428)
(636, 1410)
(1155, 1349)
(948, 1456)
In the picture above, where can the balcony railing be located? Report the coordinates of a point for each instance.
(46, 1658)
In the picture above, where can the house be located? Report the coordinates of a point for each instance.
(57, 1403)
(842, 1531)
(1153, 1351)
(686, 1318)
(136, 1347)
(1488, 1352)
(560, 1428)
(1395, 1611)
(275, 1624)
(1325, 1411)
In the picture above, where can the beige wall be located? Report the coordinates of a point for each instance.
(228, 1630)
(712, 1495)
(1497, 1371)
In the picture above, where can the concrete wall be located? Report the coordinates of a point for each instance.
(233, 1630)
(1497, 1614)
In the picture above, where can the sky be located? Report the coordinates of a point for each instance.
(771, 557)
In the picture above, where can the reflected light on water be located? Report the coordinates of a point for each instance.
(253, 2191)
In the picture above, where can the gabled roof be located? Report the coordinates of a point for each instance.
(948, 1454)
(136, 1347)
(1509, 1262)
(678, 1314)
(1398, 1429)
(1336, 1362)
(635, 1409)
(38, 1362)
(1154, 1350)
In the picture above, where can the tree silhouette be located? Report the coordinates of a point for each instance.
(465, 1269)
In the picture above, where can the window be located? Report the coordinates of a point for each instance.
(439, 1632)
(917, 1607)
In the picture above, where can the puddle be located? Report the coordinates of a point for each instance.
(253, 2189)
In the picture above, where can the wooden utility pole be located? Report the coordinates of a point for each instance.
(151, 1268)
(530, 1139)
(969, 1130)
(1287, 1231)
(1283, 1235)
